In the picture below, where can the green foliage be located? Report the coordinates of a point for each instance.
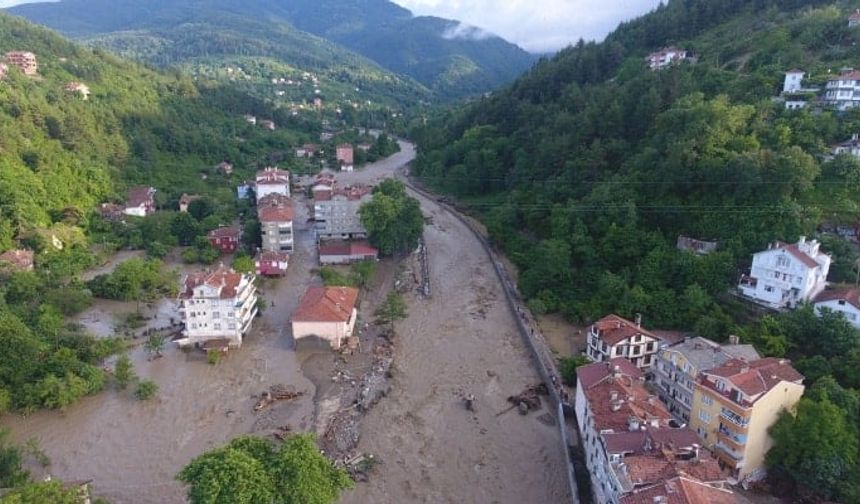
(244, 264)
(146, 390)
(12, 473)
(392, 309)
(567, 367)
(53, 491)
(213, 356)
(392, 218)
(135, 280)
(124, 371)
(154, 344)
(253, 470)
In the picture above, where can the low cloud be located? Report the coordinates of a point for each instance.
(463, 31)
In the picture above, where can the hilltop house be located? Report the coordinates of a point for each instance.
(664, 57)
(327, 313)
(844, 301)
(272, 180)
(786, 274)
(141, 201)
(268, 124)
(854, 19)
(185, 201)
(343, 252)
(843, 92)
(217, 306)
(271, 264)
(225, 239)
(16, 260)
(338, 217)
(793, 81)
(224, 168)
(306, 151)
(345, 156)
(848, 147)
(701, 247)
(250, 119)
(25, 61)
(677, 367)
(736, 403)
(634, 450)
(78, 87)
(613, 336)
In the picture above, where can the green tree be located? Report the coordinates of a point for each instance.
(567, 367)
(154, 344)
(124, 371)
(392, 309)
(302, 476)
(393, 219)
(244, 264)
(146, 390)
(12, 473)
(227, 476)
(43, 492)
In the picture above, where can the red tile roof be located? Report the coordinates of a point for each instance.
(680, 490)
(271, 175)
(353, 193)
(342, 248)
(272, 256)
(276, 214)
(588, 375)
(794, 250)
(758, 376)
(854, 75)
(139, 195)
(614, 329)
(20, 259)
(232, 232)
(274, 200)
(795, 71)
(326, 304)
(850, 296)
(223, 277)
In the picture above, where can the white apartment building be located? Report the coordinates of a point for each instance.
(217, 305)
(338, 217)
(785, 275)
(843, 92)
(272, 181)
(665, 57)
(614, 336)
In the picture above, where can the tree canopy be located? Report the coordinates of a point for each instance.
(393, 219)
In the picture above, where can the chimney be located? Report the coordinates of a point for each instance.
(734, 339)
(638, 320)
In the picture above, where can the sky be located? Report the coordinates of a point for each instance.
(536, 25)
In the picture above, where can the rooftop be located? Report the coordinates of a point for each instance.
(680, 490)
(223, 278)
(849, 295)
(618, 399)
(754, 378)
(274, 200)
(226, 232)
(705, 354)
(18, 258)
(326, 304)
(614, 329)
(139, 195)
(337, 247)
(271, 175)
(276, 214)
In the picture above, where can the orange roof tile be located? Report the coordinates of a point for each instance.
(326, 304)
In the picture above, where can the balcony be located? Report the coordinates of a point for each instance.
(734, 418)
(729, 455)
(733, 438)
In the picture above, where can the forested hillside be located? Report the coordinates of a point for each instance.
(588, 168)
(423, 48)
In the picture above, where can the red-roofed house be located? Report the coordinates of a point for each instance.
(681, 490)
(736, 403)
(272, 264)
(217, 305)
(844, 301)
(614, 336)
(276, 225)
(225, 239)
(665, 57)
(141, 201)
(272, 180)
(24, 61)
(785, 275)
(851, 146)
(343, 252)
(185, 201)
(345, 156)
(328, 313)
(843, 92)
(17, 260)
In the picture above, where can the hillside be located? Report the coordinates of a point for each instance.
(305, 34)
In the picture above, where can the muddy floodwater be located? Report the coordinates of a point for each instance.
(463, 340)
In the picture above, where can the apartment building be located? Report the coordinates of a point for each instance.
(785, 274)
(219, 305)
(614, 336)
(338, 217)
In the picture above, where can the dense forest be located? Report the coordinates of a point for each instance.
(588, 168)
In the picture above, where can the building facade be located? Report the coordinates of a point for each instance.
(217, 305)
(225, 239)
(327, 313)
(272, 180)
(843, 92)
(736, 403)
(785, 275)
(338, 216)
(665, 57)
(851, 147)
(793, 81)
(276, 226)
(844, 301)
(677, 368)
(271, 264)
(141, 201)
(341, 252)
(614, 336)
(25, 61)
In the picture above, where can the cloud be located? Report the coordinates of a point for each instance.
(465, 32)
(537, 25)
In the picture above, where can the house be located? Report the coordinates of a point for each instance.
(844, 301)
(327, 313)
(78, 87)
(785, 275)
(276, 227)
(736, 403)
(250, 119)
(4, 69)
(854, 19)
(25, 61)
(677, 367)
(322, 187)
(112, 212)
(701, 247)
(851, 147)
(185, 201)
(225, 238)
(631, 442)
(343, 252)
(613, 336)
(141, 201)
(268, 124)
(16, 260)
(217, 305)
(665, 57)
(271, 264)
(273, 200)
(272, 180)
(244, 190)
(793, 81)
(338, 217)
(364, 147)
(224, 168)
(681, 490)
(345, 156)
(318, 103)
(795, 102)
(307, 151)
(843, 92)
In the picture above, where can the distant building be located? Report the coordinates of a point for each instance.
(272, 180)
(141, 201)
(244, 190)
(785, 275)
(224, 168)
(25, 61)
(364, 147)
(307, 151)
(268, 124)
(793, 81)
(343, 252)
(78, 87)
(795, 102)
(844, 301)
(338, 217)
(614, 336)
(112, 212)
(345, 156)
(271, 264)
(217, 305)
(734, 406)
(322, 187)
(848, 147)
(665, 57)
(4, 69)
(185, 201)
(328, 313)
(318, 103)
(843, 92)
(225, 239)
(250, 119)
(276, 226)
(701, 247)
(16, 260)
(854, 19)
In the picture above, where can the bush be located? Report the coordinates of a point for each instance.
(213, 357)
(124, 371)
(146, 390)
(567, 367)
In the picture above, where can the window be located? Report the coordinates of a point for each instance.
(768, 288)
(216, 314)
(231, 325)
(707, 400)
(217, 327)
(231, 314)
(704, 416)
(720, 385)
(782, 261)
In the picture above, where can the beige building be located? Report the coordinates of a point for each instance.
(327, 313)
(736, 403)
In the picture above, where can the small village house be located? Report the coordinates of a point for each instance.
(665, 57)
(112, 212)
(244, 190)
(785, 275)
(185, 201)
(614, 336)
(24, 61)
(854, 19)
(16, 260)
(851, 147)
(322, 187)
(268, 124)
(734, 406)
(327, 313)
(344, 252)
(318, 103)
(345, 157)
(217, 306)
(364, 147)
(845, 301)
(306, 151)
(793, 81)
(226, 239)
(271, 264)
(250, 119)
(224, 168)
(677, 367)
(272, 180)
(701, 247)
(141, 201)
(78, 87)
